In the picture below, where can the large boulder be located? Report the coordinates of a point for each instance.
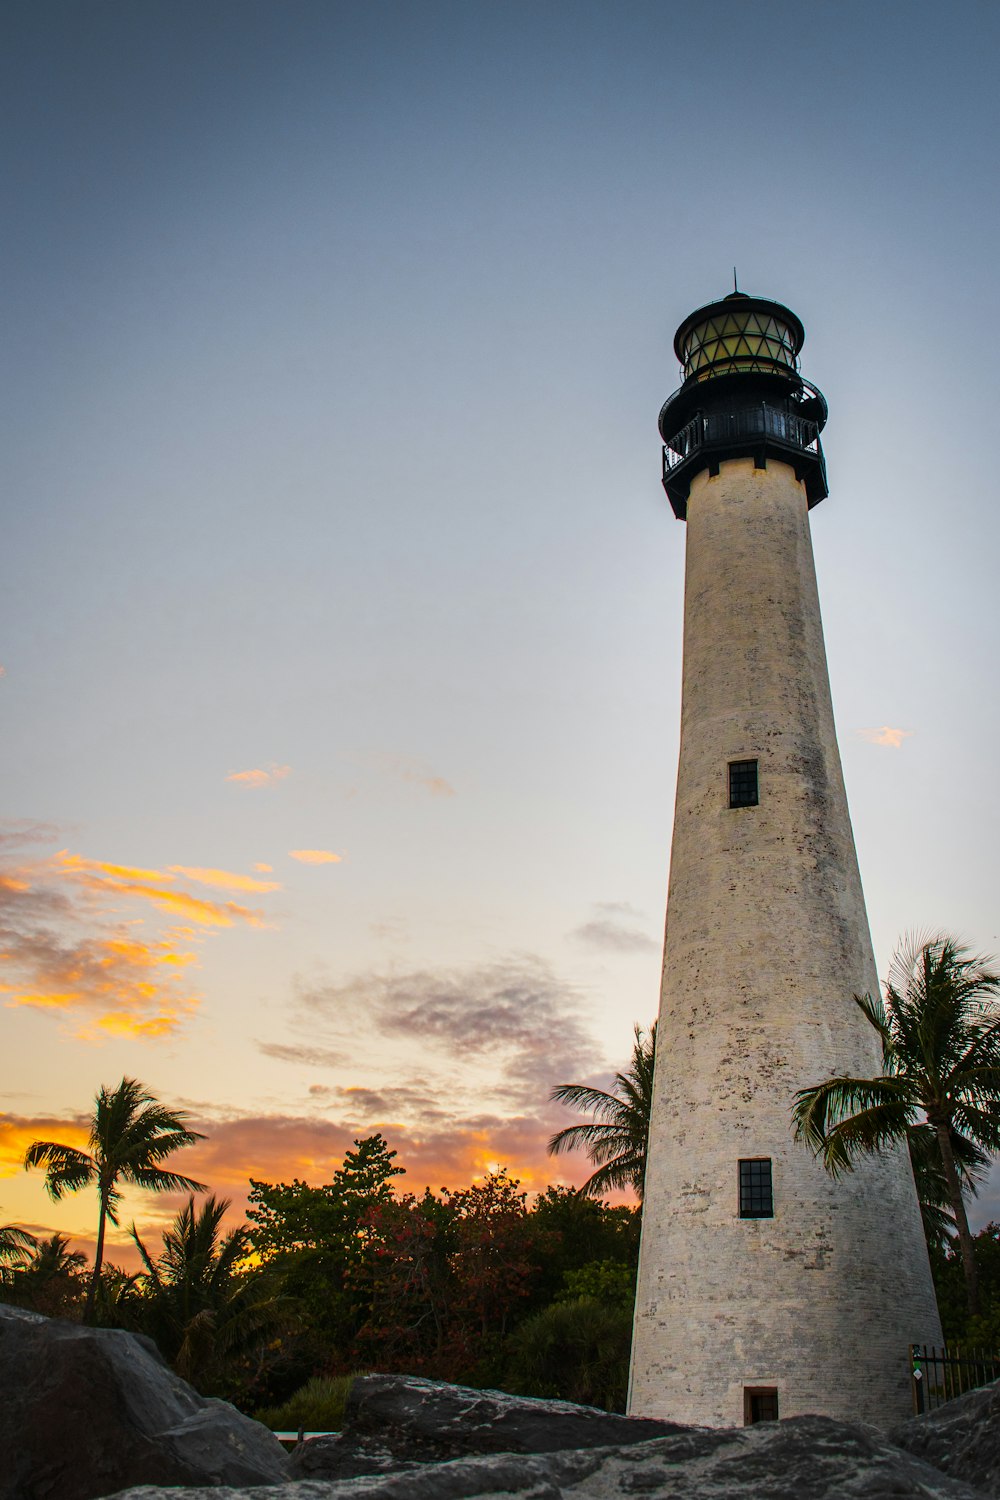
(803, 1458)
(961, 1438)
(85, 1411)
(396, 1421)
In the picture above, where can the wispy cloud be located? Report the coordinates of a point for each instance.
(303, 1053)
(515, 1013)
(417, 772)
(263, 869)
(18, 833)
(885, 735)
(153, 886)
(315, 856)
(259, 776)
(614, 927)
(226, 880)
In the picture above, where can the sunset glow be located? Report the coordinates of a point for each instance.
(343, 609)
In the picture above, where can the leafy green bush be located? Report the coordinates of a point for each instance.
(610, 1282)
(576, 1351)
(317, 1406)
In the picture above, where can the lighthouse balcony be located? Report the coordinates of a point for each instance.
(755, 432)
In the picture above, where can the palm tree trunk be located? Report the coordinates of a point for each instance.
(942, 1131)
(88, 1311)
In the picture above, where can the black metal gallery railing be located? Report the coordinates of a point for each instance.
(717, 429)
(939, 1375)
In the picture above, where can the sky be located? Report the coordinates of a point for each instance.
(340, 623)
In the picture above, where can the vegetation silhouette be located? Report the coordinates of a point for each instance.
(205, 1306)
(616, 1139)
(131, 1133)
(939, 1089)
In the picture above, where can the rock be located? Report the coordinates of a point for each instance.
(961, 1438)
(802, 1458)
(392, 1421)
(85, 1411)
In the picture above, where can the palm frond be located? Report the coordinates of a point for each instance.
(616, 1139)
(66, 1168)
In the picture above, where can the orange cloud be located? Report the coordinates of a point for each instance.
(111, 985)
(17, 1132)
(76, 863)
(259, 776)
(263, 869)
(315, 856)
(885, 735)
(108, 980)
(97, 876)
(226, 880)
(278, 1148)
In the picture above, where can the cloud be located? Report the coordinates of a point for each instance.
(128, 873)
(112, 984)
(314, 1057)
(452, 1152)
(613, 927)
(514, 1013)
(17, 1132)
(315, 856)
(885, 735)
(226, 880)
(150, 885)
(16, 832)
(417, 772)
(68, 949)
(3, 671)
(263, 869)
(259, 776)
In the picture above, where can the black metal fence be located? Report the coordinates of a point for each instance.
(939, 1375)
(708, 429)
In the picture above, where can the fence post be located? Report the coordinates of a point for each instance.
(917, 1380)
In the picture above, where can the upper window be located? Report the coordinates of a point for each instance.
(743, 783)
(756, 1193)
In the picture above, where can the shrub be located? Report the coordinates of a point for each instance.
(317, 1406)
(576, 1351)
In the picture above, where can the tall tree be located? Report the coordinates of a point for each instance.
(939, 1025)
(615, 1140)
(131, 1133)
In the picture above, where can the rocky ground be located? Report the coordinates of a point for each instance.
(94, 1414)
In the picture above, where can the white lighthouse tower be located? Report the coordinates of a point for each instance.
(765, 1287)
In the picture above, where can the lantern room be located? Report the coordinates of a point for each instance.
(742, 397)
(739, 335)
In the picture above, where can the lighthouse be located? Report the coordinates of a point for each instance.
(766, 1288)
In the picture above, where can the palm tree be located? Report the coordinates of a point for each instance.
(203, 1306)
(14, 1243)
(131, 1133)
(939, 1089)
(615, 1140)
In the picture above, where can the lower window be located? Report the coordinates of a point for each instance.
(760, 1404)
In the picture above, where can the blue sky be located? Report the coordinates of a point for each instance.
(336, 338)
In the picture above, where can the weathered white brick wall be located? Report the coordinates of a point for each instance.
(767, 940)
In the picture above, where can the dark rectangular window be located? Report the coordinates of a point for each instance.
(756, 1196)
(760, 1404)
(743, 783)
